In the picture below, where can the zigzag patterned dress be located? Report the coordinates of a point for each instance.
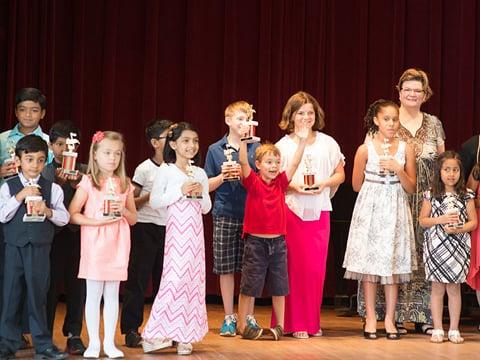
(179, 311)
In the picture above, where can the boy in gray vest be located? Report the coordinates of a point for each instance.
(27, 249)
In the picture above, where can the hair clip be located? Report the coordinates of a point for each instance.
(98, 136)
(170, 130)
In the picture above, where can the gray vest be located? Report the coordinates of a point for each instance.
(20, 233)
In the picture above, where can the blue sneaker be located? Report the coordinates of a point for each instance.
(229, 326)
(252, 322)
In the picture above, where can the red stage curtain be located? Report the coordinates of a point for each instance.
(117, 64)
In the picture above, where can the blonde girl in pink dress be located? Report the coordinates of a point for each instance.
(105, 236)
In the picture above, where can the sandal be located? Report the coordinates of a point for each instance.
(454, 337)
(300, 335)
(318, 333)
(422, 328)
(401, 328)
(437, 336)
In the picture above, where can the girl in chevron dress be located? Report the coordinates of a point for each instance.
(448, 214)
(179, 313)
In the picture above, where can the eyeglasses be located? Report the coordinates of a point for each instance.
(415, 91)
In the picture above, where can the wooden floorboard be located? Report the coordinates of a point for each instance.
(342, 340)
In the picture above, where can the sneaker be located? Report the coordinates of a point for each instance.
(252, 322)
(132, 339)
(184, 348)
(75, 346)
(156, 344)
(229, 326)
(277, 332)
(252, 333)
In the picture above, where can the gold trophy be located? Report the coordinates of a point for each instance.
(109, 199)
(309, 174)
(12, 158)
(452, 209)
(250, 136)
(229, 166)
(70, 156)
(191, 178)
(386, 156)
(30, 201)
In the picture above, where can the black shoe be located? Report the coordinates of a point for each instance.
(370, 335)
(393, 336)
(51, 353)
(75, 346)
(6, 354)
(133, 339)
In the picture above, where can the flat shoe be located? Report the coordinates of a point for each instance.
(300, 335)
(393, 336)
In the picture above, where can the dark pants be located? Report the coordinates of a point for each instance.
(65, 260)
(26, 279)
(146, 260)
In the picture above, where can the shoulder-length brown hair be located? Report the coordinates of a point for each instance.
(438, 187)
(295, 102)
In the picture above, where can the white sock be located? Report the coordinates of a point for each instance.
(110, 318)
(92, 317)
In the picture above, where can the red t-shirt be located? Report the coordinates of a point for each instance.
(265, 205)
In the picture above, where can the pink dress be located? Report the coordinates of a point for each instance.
(104, 249)
(473, 277)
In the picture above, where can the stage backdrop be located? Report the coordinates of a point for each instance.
(119, 64)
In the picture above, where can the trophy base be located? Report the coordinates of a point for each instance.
(456, 226)
(70, 172)
(34, 218)
(230, 179)
(114, 215)
(310, 188)
(194, 197)
(250, 139)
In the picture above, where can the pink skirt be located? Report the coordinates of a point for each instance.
(473, 277)
(307, 246)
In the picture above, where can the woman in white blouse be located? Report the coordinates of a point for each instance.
(308, 212)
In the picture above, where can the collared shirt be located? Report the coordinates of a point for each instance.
(9, 139)
(9, 204)
(230, 196)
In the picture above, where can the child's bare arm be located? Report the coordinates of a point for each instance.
(243, 159)
(407, 174)
(75, 210)
(359, 163)
(302, 134)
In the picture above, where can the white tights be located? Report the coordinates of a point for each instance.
(478, 296)
(95, 290)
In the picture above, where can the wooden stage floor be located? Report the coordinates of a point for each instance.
(342, 340)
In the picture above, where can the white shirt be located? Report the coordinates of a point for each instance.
(9, 204)
(144, 176)
(167, 187)
(325, 156)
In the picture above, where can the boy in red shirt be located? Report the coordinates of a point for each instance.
(264, 227)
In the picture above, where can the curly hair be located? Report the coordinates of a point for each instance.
(373, 111)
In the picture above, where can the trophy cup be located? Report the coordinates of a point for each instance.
(108, 201)
(452, 210)
(11, 159)
(386, 156)
(31, 215)
(309, 174)
(70, 156)
(228, 167)
(191, 178)
(250, 137)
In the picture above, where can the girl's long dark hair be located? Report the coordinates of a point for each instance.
(175, 131)
(438, 187)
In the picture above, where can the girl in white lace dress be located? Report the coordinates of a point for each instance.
(381, 243)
